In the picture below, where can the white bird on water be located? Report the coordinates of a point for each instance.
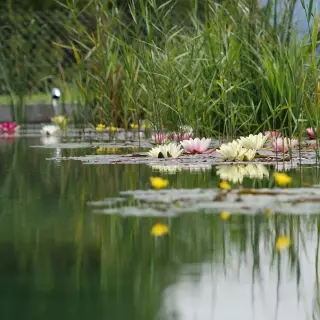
(55, 95)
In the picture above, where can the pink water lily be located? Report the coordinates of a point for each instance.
(9, 127)
(310, 133)
(272, 134)
(196, 145)
(160, 138)
(284, 144)
(181, 136)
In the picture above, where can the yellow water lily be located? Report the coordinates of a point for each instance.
(224, 185)
(225, 215)
(61, 121)
(100, 151)
(159, 229)
(283, 242)
(100, 127)
(158, 182)
(230, 151)
(282, 179)
(134, 126)
(112, 128)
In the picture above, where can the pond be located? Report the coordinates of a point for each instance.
(75, 242)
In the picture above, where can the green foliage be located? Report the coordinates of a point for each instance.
(222, 68)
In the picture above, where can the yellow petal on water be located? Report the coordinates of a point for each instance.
(282, 178)
(282, 242)
(100, 151)
(159, 229)
(158, 182)
(268, 212)
(225, 215)
(100, 127)
(224, 185)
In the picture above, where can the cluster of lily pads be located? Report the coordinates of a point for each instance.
(242, 149)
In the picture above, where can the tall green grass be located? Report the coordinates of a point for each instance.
(224, 68)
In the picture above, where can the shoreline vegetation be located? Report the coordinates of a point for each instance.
(224, 68)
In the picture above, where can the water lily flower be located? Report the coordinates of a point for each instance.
(170, 150)
(246, 154)
(272, 134)
(196, 145)
(158, 182)
(230, 151)
(9, 127)
(283, 242)
(224, 185)
(159, 229)
(284, 144)
(61, 121)
(111, 128)
(282, 178)
(100, 150)
(181, 136)
(225, 215)
(160, 138)
(310, 133)
(50, 130)
(255, 142)
(100, 127)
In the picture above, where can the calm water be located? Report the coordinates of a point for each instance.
(58, 260)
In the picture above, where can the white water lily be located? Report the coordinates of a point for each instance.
(246, 154)
(170, 150)
(230, 151)
(50, 130)
(255, 142)
(236, 173)
(196, 145)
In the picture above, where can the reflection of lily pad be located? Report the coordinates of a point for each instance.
(171, 202)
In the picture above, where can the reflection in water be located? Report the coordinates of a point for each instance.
(171, 169)
(251, 286)
(58, 260)
(235, 173)
(52, 140)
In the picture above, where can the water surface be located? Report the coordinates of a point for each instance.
(58, 260)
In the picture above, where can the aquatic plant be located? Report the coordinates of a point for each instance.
(160, 138)
(224, 185)
(159, 230)
(310, 133)
(158, 182)
(171, 150)
(284, 144)
(234, 151)
(100, 127)
(225, 215)
(61, 121)
(196, 145)
(282, 179)
(272, 134)
(254, 142)
(230, 151)
(283, 242)
(9, 127)
(50, 130)
(246, 154)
